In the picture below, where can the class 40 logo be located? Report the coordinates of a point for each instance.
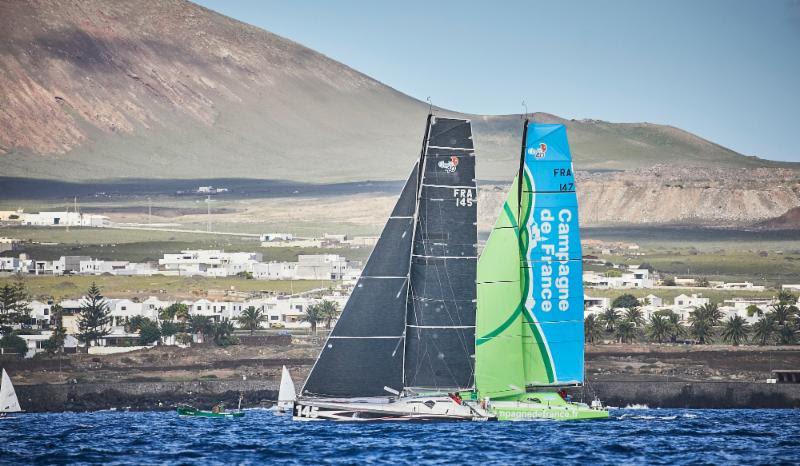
(538, 152)
(450, 166)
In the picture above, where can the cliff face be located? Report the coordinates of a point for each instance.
(669, 195)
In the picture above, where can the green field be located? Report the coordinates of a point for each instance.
(146, 245)
(70, 287)
(762, 267)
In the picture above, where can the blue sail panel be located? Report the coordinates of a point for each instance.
(553, 251)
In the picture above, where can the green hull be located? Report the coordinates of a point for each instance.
(200, 413)
(541, 405)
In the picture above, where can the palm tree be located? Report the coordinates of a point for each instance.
(787, 334)
(735, 330)
(610, 317)
(701, 324)
(764, 330)
(676, 329)
(314, 315)
(181, 311)
(330, 310)
(592, 328)
(782, 312)
(251, 318)
(787, 297)
(201, 325)
(634, 314)
(626, 331)
(167, 314)
(712, 313)
(223, 333)
(658, 328)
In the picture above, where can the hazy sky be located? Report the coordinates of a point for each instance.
(725, 70)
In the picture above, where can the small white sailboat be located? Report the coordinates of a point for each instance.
(8, 397)
(287, 394)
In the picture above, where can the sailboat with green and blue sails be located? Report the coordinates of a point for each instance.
(529, 324)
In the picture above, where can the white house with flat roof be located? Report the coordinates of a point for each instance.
(694, 300)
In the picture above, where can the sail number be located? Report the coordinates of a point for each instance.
(310, 412)
(463, 197)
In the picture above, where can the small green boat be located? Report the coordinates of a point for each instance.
(189, 411)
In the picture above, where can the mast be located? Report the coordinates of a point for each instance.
(521, 170)
(420, 171)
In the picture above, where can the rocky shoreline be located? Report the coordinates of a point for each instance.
(143, 396)
(161, 378)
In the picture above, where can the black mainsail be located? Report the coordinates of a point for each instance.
(440, 333)
(410, 321)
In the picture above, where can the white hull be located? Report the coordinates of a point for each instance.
(420, 408)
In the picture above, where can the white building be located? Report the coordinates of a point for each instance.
(694, 300)
(320, 267)
(64, 219)
(741, 286)
(634, 278)
(595, 305)
(653, 300)
(791, 287)
(210, 263)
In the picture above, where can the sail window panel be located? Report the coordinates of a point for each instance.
(439, 358)
(377, 306)
(391, 254)
(453, 167)
(357, 368)
(448, 132)
(445, 280)
(439, 312)
(552, 176)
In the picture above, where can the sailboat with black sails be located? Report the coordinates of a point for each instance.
(404, 345)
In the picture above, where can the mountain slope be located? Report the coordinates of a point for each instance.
(99, 89)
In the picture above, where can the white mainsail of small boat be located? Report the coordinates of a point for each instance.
(8, 398)
(287, 394)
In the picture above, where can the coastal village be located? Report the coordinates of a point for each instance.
(288, 311)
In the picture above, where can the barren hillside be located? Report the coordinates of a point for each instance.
(99, 89)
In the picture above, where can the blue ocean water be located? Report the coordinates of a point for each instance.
(629, 437)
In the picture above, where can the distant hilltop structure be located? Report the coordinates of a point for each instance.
(210, 190)
(327, 240)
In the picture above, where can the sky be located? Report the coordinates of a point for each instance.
(726, 70)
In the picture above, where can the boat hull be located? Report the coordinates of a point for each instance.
(413, 409)
(199, 413)
(542, 406)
